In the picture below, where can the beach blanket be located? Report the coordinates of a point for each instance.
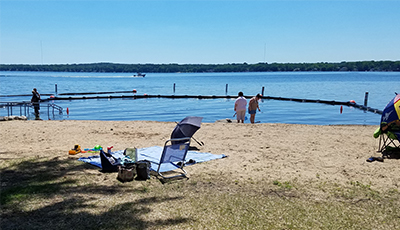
(153, 154)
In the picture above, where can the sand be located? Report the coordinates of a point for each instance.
(282, 152)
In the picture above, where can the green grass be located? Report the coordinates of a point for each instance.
(67, 194)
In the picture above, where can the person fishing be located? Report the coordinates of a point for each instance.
(35, 100)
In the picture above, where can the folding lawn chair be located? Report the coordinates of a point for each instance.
(389, 140)
(173, 157)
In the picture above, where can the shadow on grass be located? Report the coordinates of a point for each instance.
(38, 194)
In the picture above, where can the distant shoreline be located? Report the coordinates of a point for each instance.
(358, 66)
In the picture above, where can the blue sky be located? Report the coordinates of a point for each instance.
(197, 31)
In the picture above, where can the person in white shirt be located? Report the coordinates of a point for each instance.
(240, 107)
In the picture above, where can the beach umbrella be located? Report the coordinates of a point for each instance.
(391, 112)
(187, 127)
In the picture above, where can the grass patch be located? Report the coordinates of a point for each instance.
(284, 185)
(67, 194)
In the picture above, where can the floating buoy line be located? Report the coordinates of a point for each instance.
(350, 103)
(133, 95)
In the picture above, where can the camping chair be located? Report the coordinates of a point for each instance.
(389, 138)
(173, 158)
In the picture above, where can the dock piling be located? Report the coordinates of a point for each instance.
(366, 99)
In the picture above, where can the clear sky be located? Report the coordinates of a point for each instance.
(198, 31)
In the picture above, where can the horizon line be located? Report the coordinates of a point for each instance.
(235, 63)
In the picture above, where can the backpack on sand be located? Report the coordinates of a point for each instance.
(143, 170)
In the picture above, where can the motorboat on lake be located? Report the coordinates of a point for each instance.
(139, 75)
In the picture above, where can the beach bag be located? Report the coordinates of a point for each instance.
(143, 170)
(126, 172)
(108, 162)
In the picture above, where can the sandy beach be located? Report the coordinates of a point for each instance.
(283, 152)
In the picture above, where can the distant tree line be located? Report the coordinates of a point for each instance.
(200, 68)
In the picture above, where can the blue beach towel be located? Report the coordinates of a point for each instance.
(153, 154)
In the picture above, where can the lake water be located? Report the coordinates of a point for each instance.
(338, 86)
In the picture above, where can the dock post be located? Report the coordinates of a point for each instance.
(55, 89)
(366, 99)
(262, 91)
(174, 88)
(226, 89)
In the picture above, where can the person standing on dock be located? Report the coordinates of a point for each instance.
(36, 101)
(253, 106)
(240, 107)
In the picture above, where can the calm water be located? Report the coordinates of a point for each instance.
(338, 86)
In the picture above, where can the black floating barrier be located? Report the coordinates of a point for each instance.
(347, 103)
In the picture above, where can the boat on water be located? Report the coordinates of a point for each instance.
(139, 75)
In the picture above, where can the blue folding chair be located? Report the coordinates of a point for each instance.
(173, 157)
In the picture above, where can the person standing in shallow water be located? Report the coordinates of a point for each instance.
(240, 107)
(253, 106)
(36, 102)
